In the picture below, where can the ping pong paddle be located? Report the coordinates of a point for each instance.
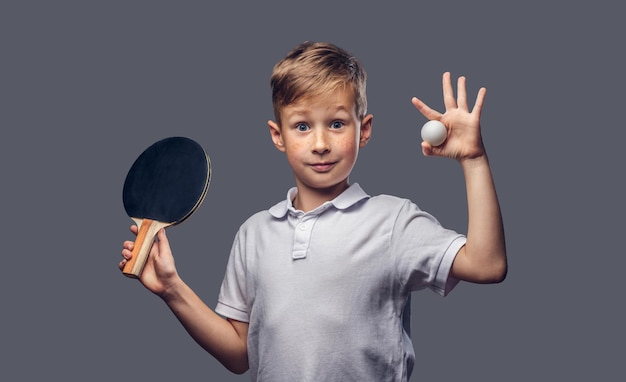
(164, 186)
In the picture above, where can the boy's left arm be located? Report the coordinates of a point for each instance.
(483, 258)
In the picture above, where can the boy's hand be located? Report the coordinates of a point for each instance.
(464, 140)
(159, 273)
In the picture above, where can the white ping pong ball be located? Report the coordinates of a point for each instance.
(434, 132)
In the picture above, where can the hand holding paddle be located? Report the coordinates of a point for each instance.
(165, 185)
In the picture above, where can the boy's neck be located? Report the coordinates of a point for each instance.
(307, 199)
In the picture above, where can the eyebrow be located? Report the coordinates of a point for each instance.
(306, 110)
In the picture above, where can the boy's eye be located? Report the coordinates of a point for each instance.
(302, 127)
(336, 125)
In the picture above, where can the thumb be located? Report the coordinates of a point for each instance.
(427, 149)
(163, 242)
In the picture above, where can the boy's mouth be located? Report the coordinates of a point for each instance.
(322, 166)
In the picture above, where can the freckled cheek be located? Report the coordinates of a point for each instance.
(294, 149)
(348, 147)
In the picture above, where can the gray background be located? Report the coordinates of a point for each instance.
(85, 86)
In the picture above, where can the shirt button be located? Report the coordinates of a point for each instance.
(302, 227)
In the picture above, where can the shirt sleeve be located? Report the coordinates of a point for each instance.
(233, 297)
(424, 250)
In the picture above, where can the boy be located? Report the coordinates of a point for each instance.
(317, 287)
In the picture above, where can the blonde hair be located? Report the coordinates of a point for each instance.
(313, 69)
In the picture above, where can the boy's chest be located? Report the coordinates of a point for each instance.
(324, 263)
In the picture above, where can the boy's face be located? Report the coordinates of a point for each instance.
(321, 137)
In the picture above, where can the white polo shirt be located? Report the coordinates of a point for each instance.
(325, 292)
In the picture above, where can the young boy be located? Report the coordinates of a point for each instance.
(317, 287)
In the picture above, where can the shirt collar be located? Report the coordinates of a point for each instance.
(346, 199)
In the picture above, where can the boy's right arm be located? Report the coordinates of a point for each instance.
(225, 339)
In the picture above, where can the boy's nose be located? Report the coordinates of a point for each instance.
(320, 142)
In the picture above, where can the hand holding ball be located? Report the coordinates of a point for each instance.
(434, 132)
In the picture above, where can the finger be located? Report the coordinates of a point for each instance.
(461, 93)
(129, 245)
(480, 100)
(425, 109)
(134, 229)
(448, 92)
(127, 254)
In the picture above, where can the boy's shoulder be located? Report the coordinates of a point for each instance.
(386, 206)
(391, 200)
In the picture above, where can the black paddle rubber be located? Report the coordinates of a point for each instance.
(168, 181)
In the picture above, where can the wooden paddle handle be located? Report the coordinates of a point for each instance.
(143, 243)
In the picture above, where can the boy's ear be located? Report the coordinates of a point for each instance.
(366, 130)
(277, 137)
